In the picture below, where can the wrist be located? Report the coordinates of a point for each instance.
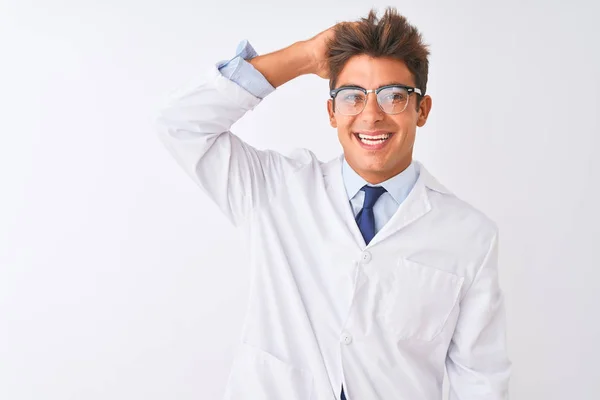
(305, 56)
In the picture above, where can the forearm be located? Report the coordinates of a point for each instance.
(286, 64)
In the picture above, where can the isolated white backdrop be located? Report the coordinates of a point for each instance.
(119, 280)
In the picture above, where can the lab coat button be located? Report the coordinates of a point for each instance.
(346, 338)
(365, 257)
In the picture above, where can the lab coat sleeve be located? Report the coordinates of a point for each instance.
(477, 363)
(195, 125)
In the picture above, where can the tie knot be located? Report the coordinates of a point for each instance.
(372, 193)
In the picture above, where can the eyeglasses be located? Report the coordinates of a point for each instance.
(392, 99)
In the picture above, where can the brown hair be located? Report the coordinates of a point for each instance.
(390, 36)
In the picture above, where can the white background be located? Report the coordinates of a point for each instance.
(119, 280)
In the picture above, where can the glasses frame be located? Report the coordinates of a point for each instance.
(334, 92)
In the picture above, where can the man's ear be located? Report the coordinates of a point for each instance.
(332, 120)
(424, 109)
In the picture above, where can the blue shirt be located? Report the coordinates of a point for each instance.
(240, 71)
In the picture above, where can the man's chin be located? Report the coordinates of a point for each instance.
(370, 168)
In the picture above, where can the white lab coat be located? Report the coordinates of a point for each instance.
(325, 310)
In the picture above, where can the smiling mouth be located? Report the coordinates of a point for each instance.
(373, 140)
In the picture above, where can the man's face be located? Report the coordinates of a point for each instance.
(394, 155)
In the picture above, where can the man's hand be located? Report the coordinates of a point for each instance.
(317, 48)
(301, 58)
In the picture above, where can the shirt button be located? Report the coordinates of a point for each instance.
(365, 257)
(346, 338)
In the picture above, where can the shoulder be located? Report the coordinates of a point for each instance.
(454, 209)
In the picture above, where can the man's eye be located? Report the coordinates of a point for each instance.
(353, 98)
(395, 97)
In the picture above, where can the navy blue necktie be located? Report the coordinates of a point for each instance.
(366, 222)
(365, 218)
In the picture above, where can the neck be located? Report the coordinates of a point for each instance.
(376, 177)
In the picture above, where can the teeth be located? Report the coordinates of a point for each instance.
(378, 137)
(367, 141)
(374, 140)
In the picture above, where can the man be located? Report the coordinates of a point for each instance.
(369, 276)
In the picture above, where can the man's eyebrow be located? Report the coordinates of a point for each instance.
(386, 84)
(349, 84)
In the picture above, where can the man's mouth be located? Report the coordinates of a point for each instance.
(373, 141)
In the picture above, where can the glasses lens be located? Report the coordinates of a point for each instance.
(393, 100)
(350, 101)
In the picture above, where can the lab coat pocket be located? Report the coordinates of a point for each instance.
(258, 375)
(418, 300)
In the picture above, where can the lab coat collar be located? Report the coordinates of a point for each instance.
(397, 186)
(416, 205)
(335, 165)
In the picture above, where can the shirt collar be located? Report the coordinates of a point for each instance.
(397, 186)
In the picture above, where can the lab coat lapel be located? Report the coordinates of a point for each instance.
(336, 190)
(416, 205)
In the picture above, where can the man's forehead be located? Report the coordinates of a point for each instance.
(370, 72)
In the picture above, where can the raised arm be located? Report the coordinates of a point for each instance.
(195, 127)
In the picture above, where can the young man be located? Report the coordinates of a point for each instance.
(369, 276)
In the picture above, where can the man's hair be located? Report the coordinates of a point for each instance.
(390, 36)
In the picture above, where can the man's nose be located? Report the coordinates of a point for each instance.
(372, 111)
